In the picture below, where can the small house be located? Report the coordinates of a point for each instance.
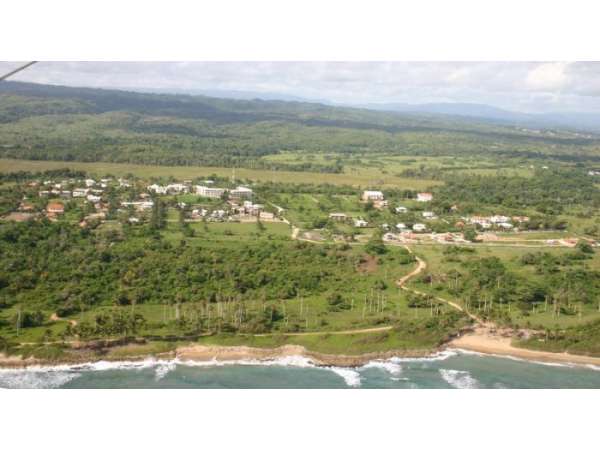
(340, 217)
(419, 227)
(424, 196)
(372, 196)
(55, 208)
(360, 223)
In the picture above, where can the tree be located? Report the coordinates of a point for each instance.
(375, 246)
(470, 234)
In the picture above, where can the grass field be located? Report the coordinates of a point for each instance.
(362, 178)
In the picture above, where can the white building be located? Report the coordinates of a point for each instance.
(372, 196)
(424, 196)
(177, 187)
(162, 190)
(89, 182)
(401, 209)
(419, 227)
(210, 192)
(139, 205)
(499, 219)
(428, 215)
(93, 198)
(401, 226)
(240, 192)
(266, 215)
(360, 223)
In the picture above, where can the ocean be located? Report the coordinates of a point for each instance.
(452, 369)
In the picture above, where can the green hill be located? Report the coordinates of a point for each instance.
(81, 124)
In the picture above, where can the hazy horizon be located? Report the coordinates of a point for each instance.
(526, 87)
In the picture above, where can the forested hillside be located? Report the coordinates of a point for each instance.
(81, 124)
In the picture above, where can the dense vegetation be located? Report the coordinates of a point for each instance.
(60, 123)
(548, 191)
(555, 285)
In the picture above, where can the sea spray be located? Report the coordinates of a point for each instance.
(460, 379)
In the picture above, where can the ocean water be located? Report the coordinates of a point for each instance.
(446, 370)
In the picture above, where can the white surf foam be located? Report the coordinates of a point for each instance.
(350, 376)
(439, 356)
(531, 361)
(163, 369)
(35, 380)
(393, 368)
(460, 379)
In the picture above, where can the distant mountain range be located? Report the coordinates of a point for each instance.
(89, 124)
(573, 120)
(589, 122)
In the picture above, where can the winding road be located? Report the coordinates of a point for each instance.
(421, 266)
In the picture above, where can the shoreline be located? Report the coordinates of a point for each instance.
(491, 344)
(228, 354)
(481, 340)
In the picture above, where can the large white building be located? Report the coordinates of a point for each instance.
(210, 192)
(158, 189)
(240, 192)
(372, 196)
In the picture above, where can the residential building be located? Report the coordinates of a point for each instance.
(209, 192)
(499, 219)
(372, 196)
(340, 217)
(240, 192)
(93, 198)
(401, 209)
(139, 205)
(55, 208)
(424, 196)
(80, 192)
(360, 223)
(162, 190)
(419, 227)
(266, 215)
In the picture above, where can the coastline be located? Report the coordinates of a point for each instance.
(482, 340)
(227, 354)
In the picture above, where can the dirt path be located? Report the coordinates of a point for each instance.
(421, 266)
(323, 333)
(295, 231)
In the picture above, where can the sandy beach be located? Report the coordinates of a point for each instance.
(483, 340)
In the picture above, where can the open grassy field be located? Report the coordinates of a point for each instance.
(363, 178)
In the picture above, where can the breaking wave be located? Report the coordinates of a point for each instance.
(35, 380)
(393, 368)
(459, 379)
(350, 376)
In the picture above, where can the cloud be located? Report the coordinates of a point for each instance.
(549, 76)
(523, 86)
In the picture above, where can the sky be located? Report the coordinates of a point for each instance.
(533, 87)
